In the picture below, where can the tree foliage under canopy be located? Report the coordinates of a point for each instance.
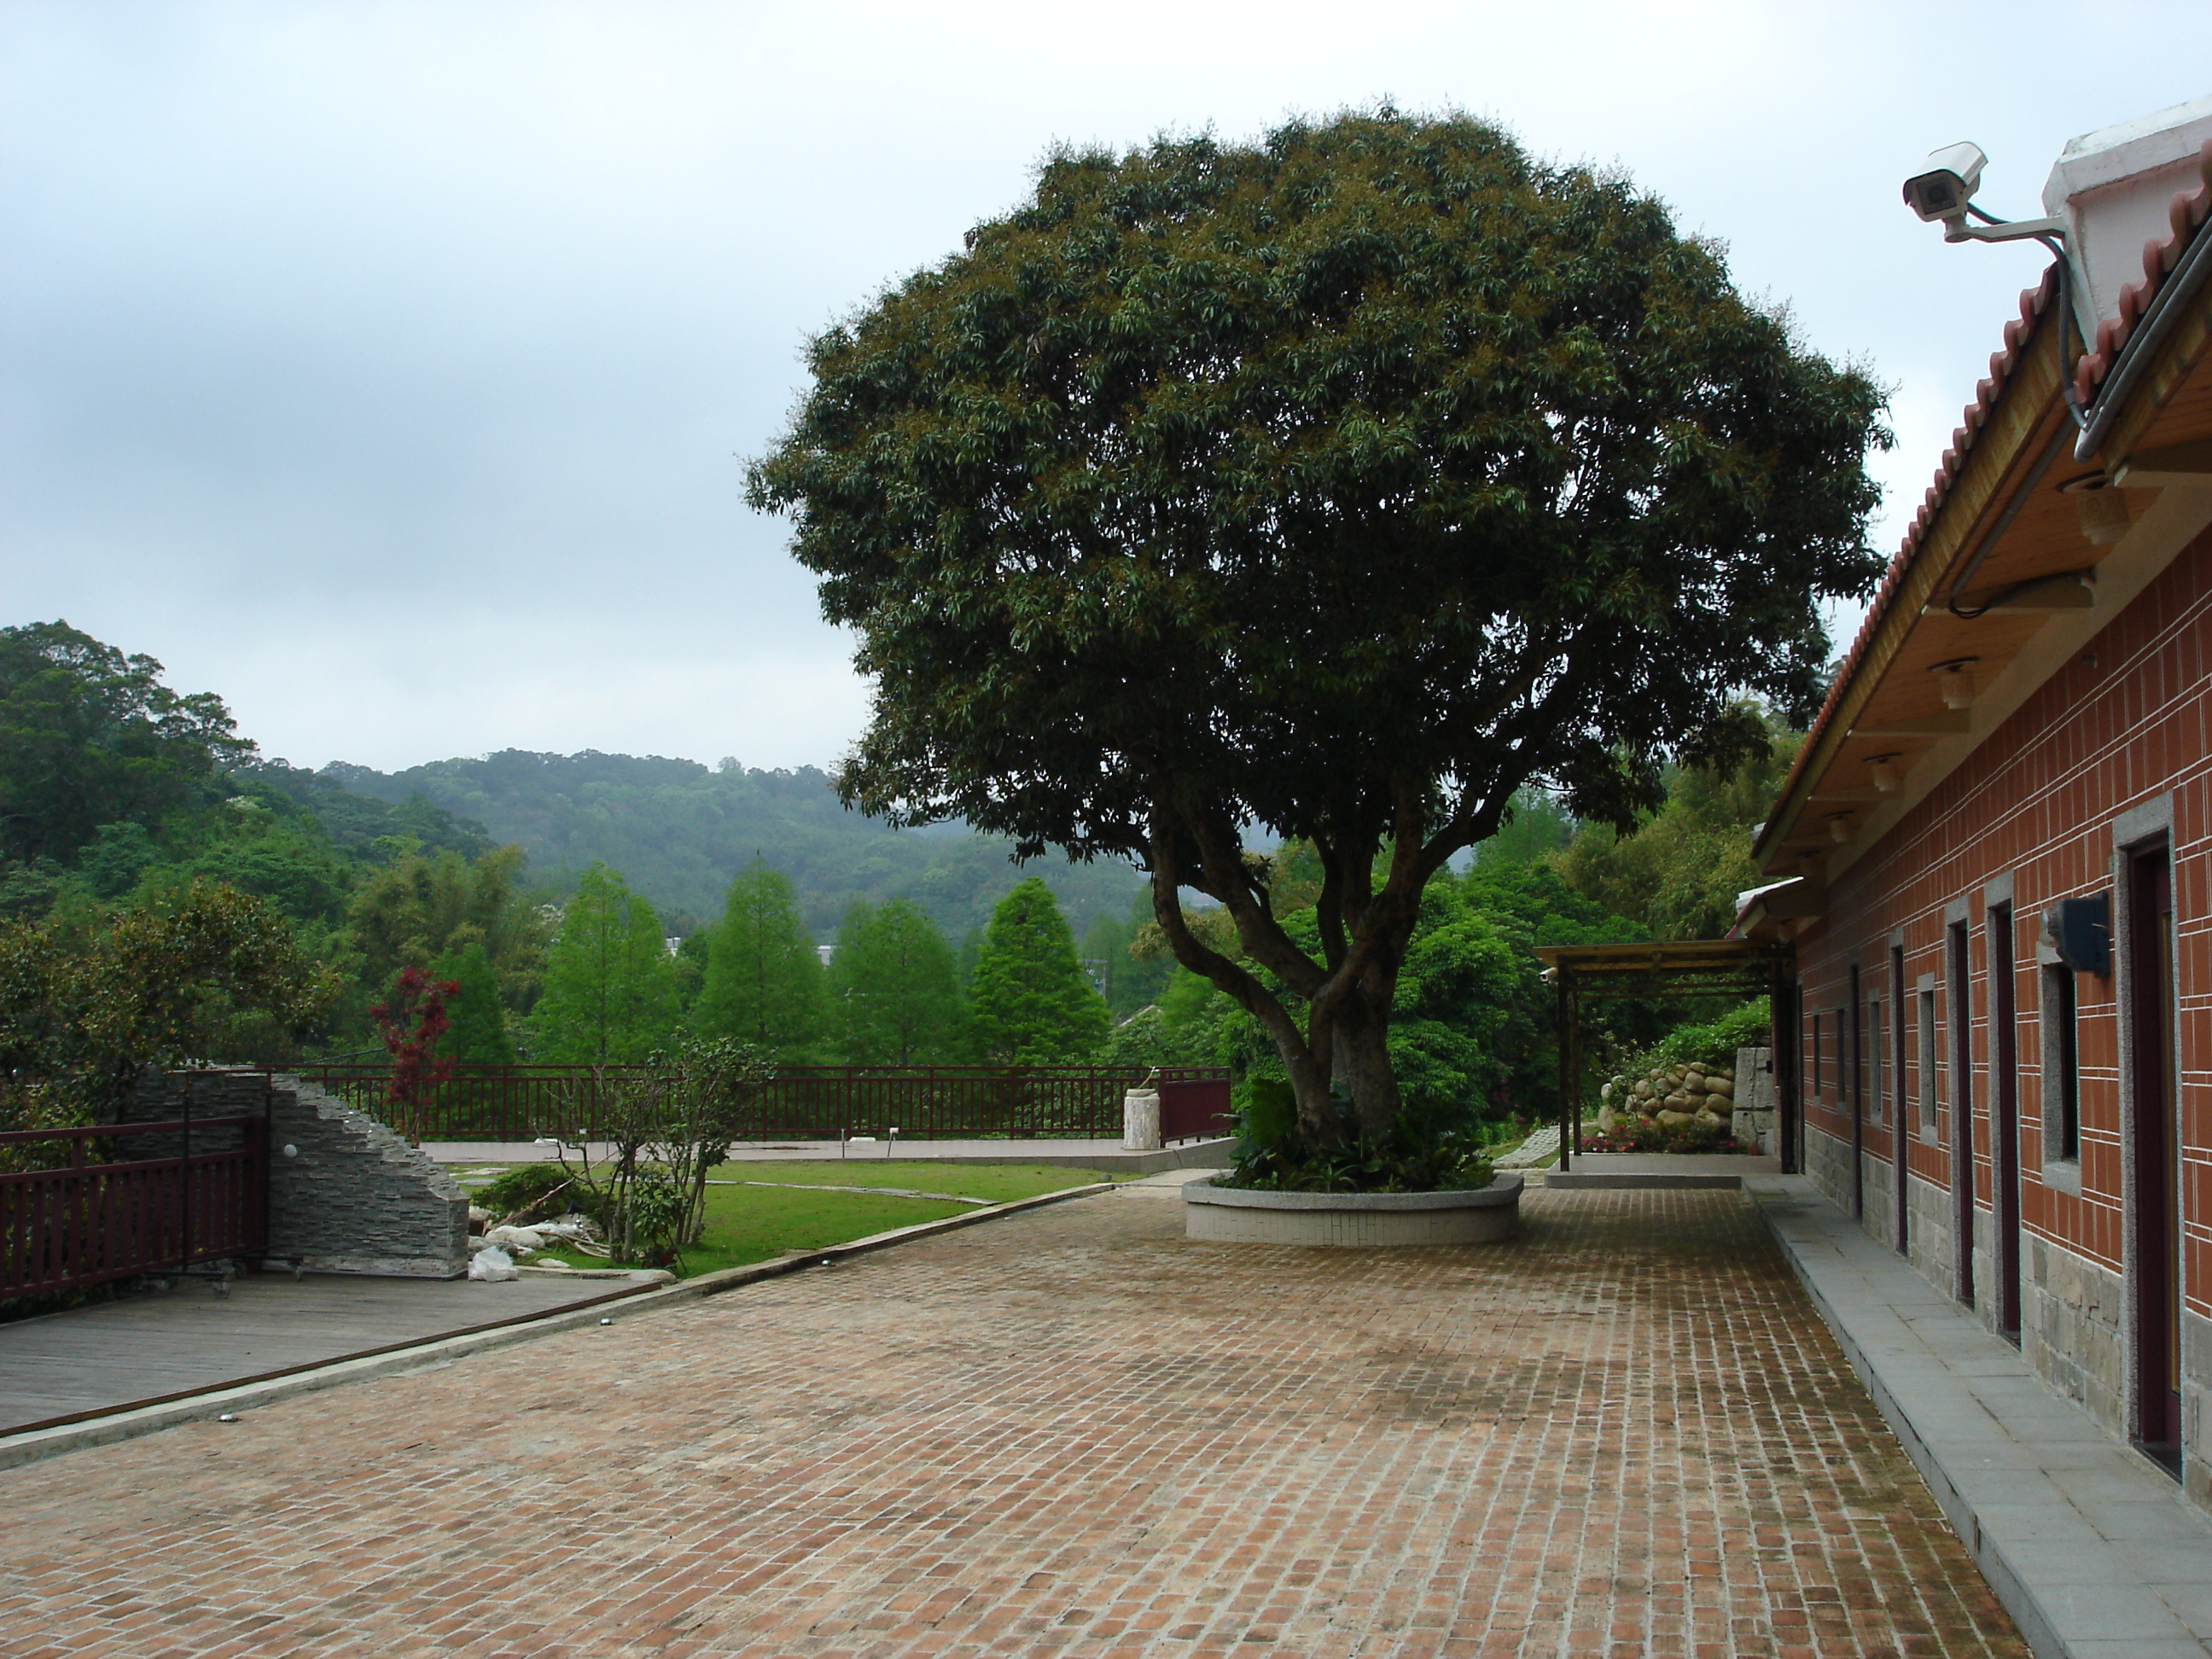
(1341, 485)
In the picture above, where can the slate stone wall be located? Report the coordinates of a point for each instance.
(345, 1193)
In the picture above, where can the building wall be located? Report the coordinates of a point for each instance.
(2123, 732)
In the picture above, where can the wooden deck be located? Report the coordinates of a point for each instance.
(90, 1361)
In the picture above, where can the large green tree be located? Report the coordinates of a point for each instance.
(89, 736)
(1031, 1003)
(1341, 484)
(765, 983)
(205, 973)
(895, 986)
(1679, 870)
(609, 994)
(478, 1035)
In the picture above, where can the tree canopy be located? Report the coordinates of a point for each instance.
(1341, 484)
(609, 993)
(89, 736)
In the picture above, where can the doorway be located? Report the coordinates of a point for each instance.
(1956, 964)
(2004, 1121)
(2156, 1221)
(1900, 1143)
(1848, 1042)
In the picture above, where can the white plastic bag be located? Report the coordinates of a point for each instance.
(493, 1264)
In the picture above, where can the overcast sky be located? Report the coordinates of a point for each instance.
(383, 366)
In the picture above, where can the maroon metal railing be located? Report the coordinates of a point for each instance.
(178, 1193)
(805, 1103)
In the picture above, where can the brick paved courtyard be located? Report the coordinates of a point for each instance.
(1065, 1432)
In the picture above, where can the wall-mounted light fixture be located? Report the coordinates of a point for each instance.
(1883, 769)
(1954, 681)
(1839, 827)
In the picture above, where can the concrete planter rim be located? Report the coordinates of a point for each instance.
(1505, 1189)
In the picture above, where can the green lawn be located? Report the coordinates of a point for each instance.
(997, 1181)
(747, 1223)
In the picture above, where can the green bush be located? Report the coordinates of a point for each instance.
(1427, 1150)
(523, 1191)
(1713, 1043)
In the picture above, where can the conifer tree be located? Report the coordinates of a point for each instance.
(765, 983)
(894, 985)
(1031, 1003)
(478, 1035)
(609, 994)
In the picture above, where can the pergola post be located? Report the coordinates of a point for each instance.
(1667, 971)
(1564, 980)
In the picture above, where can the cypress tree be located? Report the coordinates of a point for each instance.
(765, 983)
(896, 986)
(609, 993)
(1031, 1003)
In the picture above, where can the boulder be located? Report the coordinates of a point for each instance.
(1720, 1085)
(1676, 1119)
(1678, 1101)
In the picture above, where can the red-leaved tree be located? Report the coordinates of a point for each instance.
(412, 1020)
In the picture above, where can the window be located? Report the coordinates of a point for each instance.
(1929, 1070)
(2061, 1070)
(1873, 1058)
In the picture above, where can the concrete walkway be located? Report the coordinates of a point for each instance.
(2092, 1549)
(1592, 1170)
(115, 1356)
(1069, 1432)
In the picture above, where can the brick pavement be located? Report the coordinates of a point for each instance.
(1067, 1432)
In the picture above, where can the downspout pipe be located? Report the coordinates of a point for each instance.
(2167, 307)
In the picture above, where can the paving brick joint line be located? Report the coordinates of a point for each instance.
(1627, 1433)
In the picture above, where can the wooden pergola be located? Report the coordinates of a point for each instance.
(1678, 970)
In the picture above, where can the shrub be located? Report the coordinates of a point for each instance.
(523, 1191)
(1713, 1043)
(1426, 1152)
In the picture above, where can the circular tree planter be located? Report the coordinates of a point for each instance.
(1231, 1215)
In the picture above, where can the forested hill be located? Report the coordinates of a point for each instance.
(679, 832)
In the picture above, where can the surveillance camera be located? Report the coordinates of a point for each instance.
(1953, 174)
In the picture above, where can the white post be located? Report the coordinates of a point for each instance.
(1140, 1120)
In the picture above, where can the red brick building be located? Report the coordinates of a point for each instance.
(1998, 840)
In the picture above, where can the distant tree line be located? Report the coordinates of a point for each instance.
(164, 891)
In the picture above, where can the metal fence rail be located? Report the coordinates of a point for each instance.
(171, 1194)
(802, 1103)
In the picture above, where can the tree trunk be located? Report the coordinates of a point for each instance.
(1362, 1056)
(1318, 1125)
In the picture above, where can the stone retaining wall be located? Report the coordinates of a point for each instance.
(346, 1194)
